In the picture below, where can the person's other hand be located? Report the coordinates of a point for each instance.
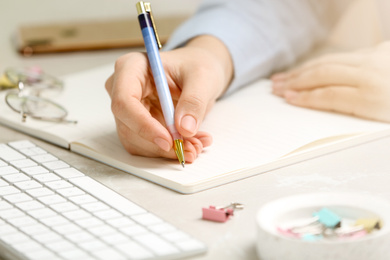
(197, 75)
(356, 83)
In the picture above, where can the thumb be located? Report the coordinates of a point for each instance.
(195, 100)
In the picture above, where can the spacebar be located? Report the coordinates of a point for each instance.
(107, 195)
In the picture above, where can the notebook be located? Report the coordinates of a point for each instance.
(253, 131)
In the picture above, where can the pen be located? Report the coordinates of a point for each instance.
(152, 44)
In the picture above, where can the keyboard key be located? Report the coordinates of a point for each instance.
(35, 170)
(67, 229)
(134, 230)
(77, 214)
(107, 195)
(39, 192)
(156, 244)
(107, 214)
(11, 213)
(64, 207)
(108, 254)
(16, 177)
(27, 185)
(60, 246)
(54, 221)
(68, 173)
(44, 254)
(23, 163)
(55, 165)
(74, 254)
(18, 197)
(30, 205)
(8, 170)
(35, 229)
(7, 229)
(147, 219)
(176, 236)
(55, 185)
(93, 245)
(162, 228)
(115, 239)
(47, 237)
(79, 237)
(102, 230)
(95, 206)
(6, 190)
(21, 144)
(4, 205)
(121, 222)
(9, 154)
(134, 250)
(2, 163)
(42, 158)
(46, 177)
(69, 192)
(51, 199)
(28, 246)
(89, 222)
(3, 183)
(42, 213)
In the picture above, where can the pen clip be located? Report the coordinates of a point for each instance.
(148, 9)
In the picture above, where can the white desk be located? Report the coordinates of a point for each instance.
(364, 168)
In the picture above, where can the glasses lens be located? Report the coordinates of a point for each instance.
(35, 78)
(36, 107)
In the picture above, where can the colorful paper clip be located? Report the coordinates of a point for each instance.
(220, 214)
(326, 224)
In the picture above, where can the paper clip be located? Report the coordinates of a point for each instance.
(220, 214)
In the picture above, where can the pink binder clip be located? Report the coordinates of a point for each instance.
(220, 214)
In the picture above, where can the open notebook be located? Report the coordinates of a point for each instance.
(253, 131)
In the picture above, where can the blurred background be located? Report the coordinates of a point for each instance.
(361, 26)
(16, 13)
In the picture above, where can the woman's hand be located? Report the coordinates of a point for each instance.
(197, 75)
(356, 83)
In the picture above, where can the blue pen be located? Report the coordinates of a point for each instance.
(152, 44)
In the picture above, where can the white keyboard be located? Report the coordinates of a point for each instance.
(50, 210)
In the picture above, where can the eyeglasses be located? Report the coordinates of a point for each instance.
(28, 100)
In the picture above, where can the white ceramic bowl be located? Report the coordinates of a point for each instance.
(271, 245)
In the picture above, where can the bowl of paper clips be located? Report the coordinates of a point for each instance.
(324, 226)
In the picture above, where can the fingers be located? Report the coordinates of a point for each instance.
(335, 98)
(319, 76)
(353, 59)
(138, 146)
(127, 87)
(137, 111)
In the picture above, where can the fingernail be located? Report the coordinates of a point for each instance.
(162, 143)
(188, 123)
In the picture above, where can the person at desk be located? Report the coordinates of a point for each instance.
(224, 46)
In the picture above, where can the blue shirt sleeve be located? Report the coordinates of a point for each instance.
(262, 36)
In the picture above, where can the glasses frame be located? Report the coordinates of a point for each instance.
(21, 83)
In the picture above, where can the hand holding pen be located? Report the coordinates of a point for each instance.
(196, 74)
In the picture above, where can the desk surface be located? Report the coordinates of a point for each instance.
(363, 168)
